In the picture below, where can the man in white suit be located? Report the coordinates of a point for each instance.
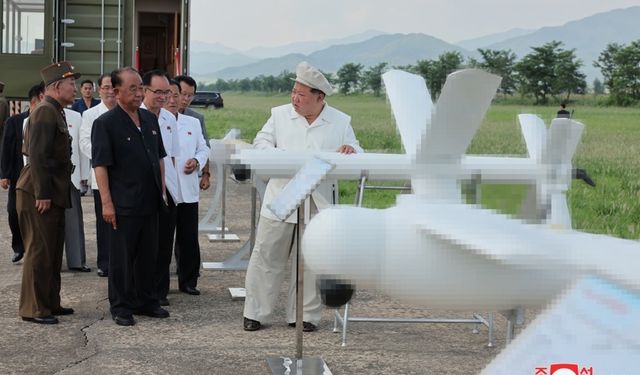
(108, 101)
(74, 244)
(156, 93)
(308, 123)
(190, 159)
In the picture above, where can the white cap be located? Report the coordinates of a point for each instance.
(312, 77)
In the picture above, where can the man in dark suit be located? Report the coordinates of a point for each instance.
(4, 107)
(11, 164)
(562, 112)
(86, 99)
(126, 153)
(43, 193)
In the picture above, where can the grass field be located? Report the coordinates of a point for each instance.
(609, 151)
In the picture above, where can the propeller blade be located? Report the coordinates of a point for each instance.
(464, 100)
(411, 106)
(535, 135)
(562, 141)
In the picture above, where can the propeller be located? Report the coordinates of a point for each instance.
(553, 150)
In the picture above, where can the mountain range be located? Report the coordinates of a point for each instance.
(589, 36)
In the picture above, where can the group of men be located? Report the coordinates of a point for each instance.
(146, 150)
(138, 182)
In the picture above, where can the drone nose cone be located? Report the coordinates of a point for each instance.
(345, 243)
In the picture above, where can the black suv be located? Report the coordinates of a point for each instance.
(207, 98)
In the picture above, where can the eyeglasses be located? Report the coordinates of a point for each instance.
(134, 89)
(160, 92)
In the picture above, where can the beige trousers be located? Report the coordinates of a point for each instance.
(275, 242)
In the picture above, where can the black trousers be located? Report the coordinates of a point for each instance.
(187, 243)
(14, 225)
(133, 249)
(102, 234)
(166, 229)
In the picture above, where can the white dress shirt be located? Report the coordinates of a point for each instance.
(88, 117)
(79, 160)
(288, 130)
(169, 131)
(192, 146)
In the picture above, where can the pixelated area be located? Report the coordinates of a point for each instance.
(433, 248)
(299, 188)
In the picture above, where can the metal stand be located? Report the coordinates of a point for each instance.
(212, 223)
(300, 364)
(295, 195)
(515, 317)
(240, 259)
(344, 319)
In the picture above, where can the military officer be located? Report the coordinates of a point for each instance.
(43, 193)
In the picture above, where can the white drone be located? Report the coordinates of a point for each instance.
(433, 249)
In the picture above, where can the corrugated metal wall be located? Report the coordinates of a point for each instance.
(97, 35)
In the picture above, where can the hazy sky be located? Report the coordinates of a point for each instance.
(242, 24)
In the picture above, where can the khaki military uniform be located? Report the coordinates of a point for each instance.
(47, 175)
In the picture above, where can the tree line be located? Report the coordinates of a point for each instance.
(548, 72)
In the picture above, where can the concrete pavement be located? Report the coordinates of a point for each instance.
(204, 333)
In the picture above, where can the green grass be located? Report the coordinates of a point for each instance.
(610, 151)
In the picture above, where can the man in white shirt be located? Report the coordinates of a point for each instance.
(188, 88)
(308, 123)
(74, 244)
(190, 159)
(108, 101)
(156, 92)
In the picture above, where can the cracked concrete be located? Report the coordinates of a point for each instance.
(204, 334)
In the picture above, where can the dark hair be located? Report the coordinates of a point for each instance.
(116, 79)
(316, 91)
(103, 77)
(146, 78)
(36, 90)
(86, 81)
(188, 80)
(175, 83)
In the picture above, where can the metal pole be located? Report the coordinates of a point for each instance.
(102, 38)
(299, 283)
(363, 181)
(223, 186)
(119, 41)
(252, 234)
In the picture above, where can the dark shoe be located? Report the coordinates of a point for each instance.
(306, 326)
(63, 311)
(190, 290)
(251, 325)
(42, 320)
(163, 302)
(124, 320)
(158, 312)
(102, 273)
(17, 257)
(80, 269)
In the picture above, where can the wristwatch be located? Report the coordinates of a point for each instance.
(197, 163)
